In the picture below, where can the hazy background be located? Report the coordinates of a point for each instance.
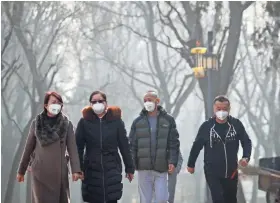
(127, 48)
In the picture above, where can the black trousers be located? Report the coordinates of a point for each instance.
(223, 190)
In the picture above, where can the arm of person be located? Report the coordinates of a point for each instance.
(197, 145)
(28, 150)
(124, 147)
(246, 142)
(180, 162)
(72, 150)
(173, 144)
(80, 142)
(133, 143)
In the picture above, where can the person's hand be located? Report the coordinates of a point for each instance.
(20, 178)
(81, 176)
(75, 176)
(190, 170)
(129, 176)
(171, 168)
(243, 162)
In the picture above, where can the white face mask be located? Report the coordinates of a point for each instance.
(54, 109)
(222, 115)
(98, 108)
(149, 106)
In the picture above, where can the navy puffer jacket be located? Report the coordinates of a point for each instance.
(101, 163)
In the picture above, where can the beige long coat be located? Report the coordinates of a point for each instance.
(49, 171)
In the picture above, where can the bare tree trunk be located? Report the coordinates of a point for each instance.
(155, 57)
(222, 78)
(38, 84)
(16, 160)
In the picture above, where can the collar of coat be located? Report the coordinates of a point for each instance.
(113, 113)
(47, 134)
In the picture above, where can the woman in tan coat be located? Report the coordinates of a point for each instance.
(51, 133)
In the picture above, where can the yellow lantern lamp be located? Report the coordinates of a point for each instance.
(199, 72)
(199, 69)
(199, 50)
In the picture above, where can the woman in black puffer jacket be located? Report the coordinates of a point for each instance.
(101, 132)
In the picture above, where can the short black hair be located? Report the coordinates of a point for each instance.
(221, 98)
(98, 92)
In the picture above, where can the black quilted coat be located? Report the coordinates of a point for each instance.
(101, 162)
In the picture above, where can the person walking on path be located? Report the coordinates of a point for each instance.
(155, 147)
(101, 133)
(220, 137)
(51, 134)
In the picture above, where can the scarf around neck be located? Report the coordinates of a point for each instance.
(48, 134)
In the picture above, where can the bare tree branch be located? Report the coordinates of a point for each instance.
(6, 41)
(183, 98)
(8, 114)
(222, 41)
(25, 87)
(126, 71)
(146, 37)
(133, 90)
(9, 73)
(182, 86)
(247, 4)
(180, 18)
(104, 8)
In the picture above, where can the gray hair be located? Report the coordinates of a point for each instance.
(152, 92)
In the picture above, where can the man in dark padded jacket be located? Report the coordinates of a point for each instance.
(220, 136)
(155, 148)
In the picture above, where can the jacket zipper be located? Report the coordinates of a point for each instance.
(157, 136)
(225, 158)
(225, 149)
(152, 164)
(102, 159)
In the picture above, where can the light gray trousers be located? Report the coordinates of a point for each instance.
(152, 183)
(172, 180)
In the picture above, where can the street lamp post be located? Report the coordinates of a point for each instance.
(209, 100)
(206, 62)
(210, 68)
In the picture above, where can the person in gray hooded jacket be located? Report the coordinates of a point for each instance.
(155, 147)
